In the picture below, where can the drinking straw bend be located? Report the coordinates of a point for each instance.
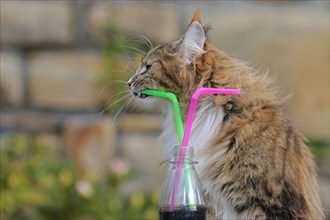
(176, 108)
(192, 109)
(202, 91)
(187, 131)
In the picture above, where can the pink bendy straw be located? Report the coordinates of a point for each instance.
(189, 122)
(192, 109)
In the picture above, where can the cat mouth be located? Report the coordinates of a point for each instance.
(140, 95)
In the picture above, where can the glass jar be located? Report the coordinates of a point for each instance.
(182, 197)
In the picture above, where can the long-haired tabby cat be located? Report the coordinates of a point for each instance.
(253, 162)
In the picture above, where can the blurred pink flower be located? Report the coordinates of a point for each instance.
(119, 166)
(84, 188)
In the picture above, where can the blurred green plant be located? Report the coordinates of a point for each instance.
(319, 148)
(122, 55)
(39, 183)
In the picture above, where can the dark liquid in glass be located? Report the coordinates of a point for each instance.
(183, 214)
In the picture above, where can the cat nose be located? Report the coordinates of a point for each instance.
(129, 83)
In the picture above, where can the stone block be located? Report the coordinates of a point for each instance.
(140, 123)
(158, 22)
(91, 144)
(64, 80)
(11, 79)
(144, 151)
(35, 22)
(29, 121)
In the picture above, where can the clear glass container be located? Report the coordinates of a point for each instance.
(182, 197)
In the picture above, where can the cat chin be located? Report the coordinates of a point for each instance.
(147, 103)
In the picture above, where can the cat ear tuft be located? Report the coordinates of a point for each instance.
(193, 42)
(197, 17)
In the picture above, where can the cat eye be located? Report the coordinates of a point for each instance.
(148, 66)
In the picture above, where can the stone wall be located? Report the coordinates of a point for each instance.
(51, 60)
(50, 50)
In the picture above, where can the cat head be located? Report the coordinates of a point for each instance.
(172, 66)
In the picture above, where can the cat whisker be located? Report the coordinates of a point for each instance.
(114, 103)
(109, 84)
(117, 81)
(147, 40)
(141, 42)
(115, 118)
(125, 51)
(136, 38)
(117, 94)
(136, 53)
(130, 69)
(133, 107)
(124, 72)
(120, 99)
(136, 49)
(144, 38)
(131, 61)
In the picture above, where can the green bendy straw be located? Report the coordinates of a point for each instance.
(179, 127)
(176, 108)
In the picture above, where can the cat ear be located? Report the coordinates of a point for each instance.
(193, 40)
(197, 17)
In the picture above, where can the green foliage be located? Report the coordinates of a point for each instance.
(319, 148)
(39, 183)
(121, 55)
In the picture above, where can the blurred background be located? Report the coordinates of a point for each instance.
(70, 146)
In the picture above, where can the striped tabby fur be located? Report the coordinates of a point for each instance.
(253, 162)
